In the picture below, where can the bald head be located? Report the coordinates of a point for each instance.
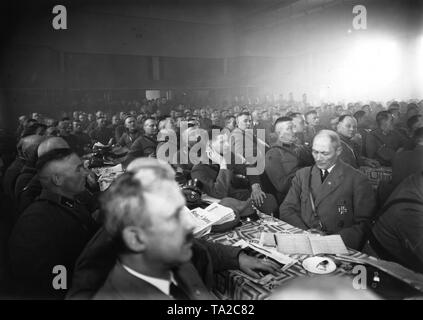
(52, 143)
(29, 146)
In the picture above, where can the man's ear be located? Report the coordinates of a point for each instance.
(134, 238)
(57, 179)
(339, 151)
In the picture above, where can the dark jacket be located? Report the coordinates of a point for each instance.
(282, 162)
(144, 146)
(376, 139)
(399, 229)
(100, 256)
(345, 203)
(51, 231)
(127, 139)
(11, 175)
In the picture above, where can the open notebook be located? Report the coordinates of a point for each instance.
(305, 243)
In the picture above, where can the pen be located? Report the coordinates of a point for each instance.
(276, 239)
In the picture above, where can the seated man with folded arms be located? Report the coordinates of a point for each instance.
(146, 249)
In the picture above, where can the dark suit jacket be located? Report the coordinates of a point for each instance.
(406, 163)
(11, 175)
(52, 231)
(399, 230)
(121, 285)
(345, 203)
(100, 255)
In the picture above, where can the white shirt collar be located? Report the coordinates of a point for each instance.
(329, 169)
(161, 284)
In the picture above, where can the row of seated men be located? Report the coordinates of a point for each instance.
(342, 202)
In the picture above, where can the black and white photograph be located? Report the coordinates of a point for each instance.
(227, 151)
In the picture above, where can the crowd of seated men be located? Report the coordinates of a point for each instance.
(296, 162)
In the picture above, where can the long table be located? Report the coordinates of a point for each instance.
(237, 285)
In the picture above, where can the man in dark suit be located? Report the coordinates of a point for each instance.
(150, 233)
(330, 197)
(285, 157)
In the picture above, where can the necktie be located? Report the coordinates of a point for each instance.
(177, 293)
(324, 174)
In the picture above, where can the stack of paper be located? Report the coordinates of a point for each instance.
(214, 214)
(305, 243)
(310, 244)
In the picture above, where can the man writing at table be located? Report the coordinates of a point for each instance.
(330, 197)
(148, 245)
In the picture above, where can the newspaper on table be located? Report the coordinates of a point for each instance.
(204, 219)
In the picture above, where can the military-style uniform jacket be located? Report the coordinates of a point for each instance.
(344, 202)
(51, 232)
(282, 162)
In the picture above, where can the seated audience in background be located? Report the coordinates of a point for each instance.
(12, 172)
(398, 233)
(102, 133)
(362, 129)
(246, 144)
(413, 123)
(151, 253)
(131, 133)
(351, 153)
(330, 197)
(65, 131)
(285, 157)
(383, 142)
(146, 144)
(230, 125)
(53, 230)
(205, 122)
(33, 188)
(220, 173)
(298, 126)
(407, 162)
(82, 140)
(29, 170)
(312, 126)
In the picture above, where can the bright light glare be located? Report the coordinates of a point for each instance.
(372, 69)
(419, 69)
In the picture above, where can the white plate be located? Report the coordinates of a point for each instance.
(310, 264)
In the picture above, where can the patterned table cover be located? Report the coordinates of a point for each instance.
(377, 175)
(235, 284)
